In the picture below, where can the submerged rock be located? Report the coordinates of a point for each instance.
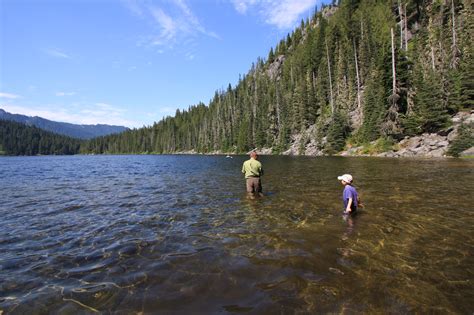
(336, 271)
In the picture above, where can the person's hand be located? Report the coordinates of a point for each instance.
(348, 210)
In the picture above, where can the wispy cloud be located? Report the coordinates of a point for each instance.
(53, 52)
(243, 5)
(168, 26)
(65, 93)
(189, 56)
(9, 95)
(173, 21)
(102, 110)
(193, 20)
(283, 14)
(99, 113)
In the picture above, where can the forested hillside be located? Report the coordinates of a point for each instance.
(354, 73)
(67, 129)
(20, 139)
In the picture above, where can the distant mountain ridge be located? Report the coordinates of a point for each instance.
(68, 129)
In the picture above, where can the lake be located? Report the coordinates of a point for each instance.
(177, 234)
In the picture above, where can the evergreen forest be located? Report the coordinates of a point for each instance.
(353, 73)
(20, 139)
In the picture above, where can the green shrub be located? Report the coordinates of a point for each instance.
(378, 146)
(463, 141)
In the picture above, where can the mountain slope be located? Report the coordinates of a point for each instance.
(20, 139)
(364, 71)
(71, 130)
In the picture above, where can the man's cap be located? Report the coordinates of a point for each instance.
(346, 177)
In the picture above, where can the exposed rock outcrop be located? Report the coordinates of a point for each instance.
(425, 145)
(310, 146)
(430, 145)
(468, 152)
(328, 11)
(275, 67)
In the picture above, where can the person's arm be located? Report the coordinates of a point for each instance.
(243, 168)
(349, 204)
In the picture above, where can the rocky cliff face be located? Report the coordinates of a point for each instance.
(425, 145)
(275, 67)
(431, 145)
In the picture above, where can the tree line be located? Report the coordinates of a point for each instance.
(20, 139)
(353, 73)
(359, 71)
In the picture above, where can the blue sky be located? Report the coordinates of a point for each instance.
(131, 62)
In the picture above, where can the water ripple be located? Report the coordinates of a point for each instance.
(176, 234)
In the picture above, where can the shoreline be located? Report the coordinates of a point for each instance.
(381, 156)
(423, 146)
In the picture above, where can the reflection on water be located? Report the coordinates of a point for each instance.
(134, 234)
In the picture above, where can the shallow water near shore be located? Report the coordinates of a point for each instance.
(177, 234)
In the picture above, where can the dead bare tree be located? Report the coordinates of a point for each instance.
(400, 14)
(406, 28)
(330, 78)
(394, 73)
(454, 47)
(357, 74)
(391, 124)
(432, 58)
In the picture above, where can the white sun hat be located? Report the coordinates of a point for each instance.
(346, 177)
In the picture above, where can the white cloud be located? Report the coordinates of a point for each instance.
(168, 26)
(189, 56)
(283, 14)
(53, 52)
(65, 93)
(192, 20)
(242, 5)
(173, 20)
(99, 113)
(103, 110)
(9, 95)
(286, 14)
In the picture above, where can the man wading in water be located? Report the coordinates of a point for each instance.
(252, 169)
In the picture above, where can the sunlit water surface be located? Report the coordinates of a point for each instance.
(176, 234)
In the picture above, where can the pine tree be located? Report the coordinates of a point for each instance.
(271, 56)
(428, 100)
(337, 133)
(242, 140)
(325, 62)
(467, 81)
(374, 109)
(463, 141)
